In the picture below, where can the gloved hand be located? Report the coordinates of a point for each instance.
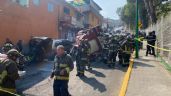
(62, 72)
(52, 75)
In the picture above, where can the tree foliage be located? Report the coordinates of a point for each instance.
(149, 11)
(127, 14)
(163, 10)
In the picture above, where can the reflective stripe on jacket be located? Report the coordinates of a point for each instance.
(63, 63)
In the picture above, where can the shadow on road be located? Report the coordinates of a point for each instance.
(94, 83)
(141, 64)
(121, 68)
(34, 76)
(96, 73)
(100, 65)
(104, 66)
(147, 60)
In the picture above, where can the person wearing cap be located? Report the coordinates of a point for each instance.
(63, 65)
(9, 72)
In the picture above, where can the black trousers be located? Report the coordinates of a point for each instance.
(80, 64)
(112, 57)
(120, 56)
(153, 49)
(60, 88)
(5, 94)
(148, 50)
(126, 57)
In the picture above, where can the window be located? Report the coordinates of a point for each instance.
(24, 3)
(36, 2)
(66, 10)
(50, 7)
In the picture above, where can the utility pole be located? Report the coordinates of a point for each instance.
(136, 35)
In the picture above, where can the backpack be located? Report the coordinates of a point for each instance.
(3, 71)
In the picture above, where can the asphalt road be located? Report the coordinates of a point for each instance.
(101, 81)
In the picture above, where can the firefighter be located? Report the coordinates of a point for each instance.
(8, 41)
(125, 54)
(9, 72)
(63, 65)
(113, 50)
(82, 58)
(120, 56)
(87, 53)
(7, 47)
(105, 50)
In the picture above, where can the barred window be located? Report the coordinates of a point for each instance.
(36, 2)
(24, 3)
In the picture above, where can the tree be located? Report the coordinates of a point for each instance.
(156, 8)
(149, 12)
(127, 14)
(163, 10)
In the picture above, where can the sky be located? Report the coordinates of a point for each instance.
(110, 7)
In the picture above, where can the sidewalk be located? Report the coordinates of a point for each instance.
(149, 78)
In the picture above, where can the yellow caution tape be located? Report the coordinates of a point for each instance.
(3, 90)
(154, 46)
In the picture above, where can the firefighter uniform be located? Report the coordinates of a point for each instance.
(112, 53)
(125, 54)
(8, 72)
(62, 63)
(87, 50)
(7, 47)
(105, 51)
(80, 66)
(82, 58)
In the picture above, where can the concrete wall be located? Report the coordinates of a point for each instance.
(18, 22)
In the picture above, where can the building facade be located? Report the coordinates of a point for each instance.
(91, 13)
(70, 21)
(21, 19)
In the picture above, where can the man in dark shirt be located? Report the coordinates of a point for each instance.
(151, 39)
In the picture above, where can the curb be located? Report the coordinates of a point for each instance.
(127, 77)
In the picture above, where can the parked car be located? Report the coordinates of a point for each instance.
(39, 47)
(66, 43)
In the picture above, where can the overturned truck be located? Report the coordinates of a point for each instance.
(91, 35)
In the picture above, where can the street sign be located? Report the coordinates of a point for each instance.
(140, 24)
